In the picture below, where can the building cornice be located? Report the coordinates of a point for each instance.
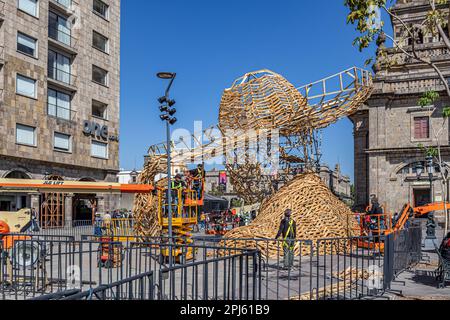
(401, 150)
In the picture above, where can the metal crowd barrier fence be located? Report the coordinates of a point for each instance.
(35, 265)
(224, 275)
(211, 268)
(78, 228)
(406, 249)
(334, 268)
(138, 287)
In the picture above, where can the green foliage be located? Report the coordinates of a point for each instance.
(362, 14)
(446, 112)
(236, 203)
(429, 151)
(428, 98)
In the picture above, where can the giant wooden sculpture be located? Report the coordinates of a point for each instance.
(264, 100)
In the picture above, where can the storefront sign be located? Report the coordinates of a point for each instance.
(91, 128)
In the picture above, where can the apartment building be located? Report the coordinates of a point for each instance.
(59, 101)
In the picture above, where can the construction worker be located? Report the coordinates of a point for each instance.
(288, 229)
(178, 187)
(197, 180)
(375, 213)
(444, 249)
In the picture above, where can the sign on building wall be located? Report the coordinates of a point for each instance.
(223, 180)
(95, 130)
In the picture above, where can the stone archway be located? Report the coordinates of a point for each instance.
(17, 174)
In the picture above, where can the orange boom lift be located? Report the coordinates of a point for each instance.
(385, 226)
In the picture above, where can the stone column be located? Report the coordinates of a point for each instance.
(68, 207)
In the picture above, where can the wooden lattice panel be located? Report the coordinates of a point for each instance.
(318, 213)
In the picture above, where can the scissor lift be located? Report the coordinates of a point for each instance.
(184, 217)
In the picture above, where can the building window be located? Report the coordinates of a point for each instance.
(65, 3)
(26, 44)
(62, 142)
(101, 8)
(99, 150)
(59, 28)
(99, 110)
(26, 86)
(29, 6)
(421, 128)
(59, 104)
(59, 67)
(25, 135)
(100, 42)
(99, 75)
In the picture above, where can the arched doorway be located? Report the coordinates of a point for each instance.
(15, 201)
(84, 205)
(52, 213)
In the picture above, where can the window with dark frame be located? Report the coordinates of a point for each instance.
(99, 110)
(26, 44)
(101, 8)
(99, 75)
(421, 128)
(100, 42)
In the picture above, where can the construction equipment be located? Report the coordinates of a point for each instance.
(220, 223)
(383, 224)
(118, 230)
(185, 216)
(12, 223)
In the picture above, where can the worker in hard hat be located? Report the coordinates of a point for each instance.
(197, 180)
(178, 188)
(288, 229)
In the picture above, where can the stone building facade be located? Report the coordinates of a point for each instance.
(59, 99)
(391, 130)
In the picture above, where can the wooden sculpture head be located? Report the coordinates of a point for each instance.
(260, 100)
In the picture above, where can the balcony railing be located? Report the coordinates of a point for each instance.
(66, 4)
(61, 76)
(60, 112)
(61, 36)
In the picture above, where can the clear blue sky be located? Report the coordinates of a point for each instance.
(209, 43)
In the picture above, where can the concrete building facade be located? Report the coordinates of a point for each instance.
(60, 100)
(391, 130)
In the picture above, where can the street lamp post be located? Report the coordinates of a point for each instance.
(430, 166)
(167, 116)
(431, 239)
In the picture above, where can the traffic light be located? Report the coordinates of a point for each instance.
(167, 111)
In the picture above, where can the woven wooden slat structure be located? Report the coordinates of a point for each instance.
(318, 213)
(145, 208)
(265, 100)
(260, 100)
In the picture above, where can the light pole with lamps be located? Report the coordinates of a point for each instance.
(168, 117)
(430, 240)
